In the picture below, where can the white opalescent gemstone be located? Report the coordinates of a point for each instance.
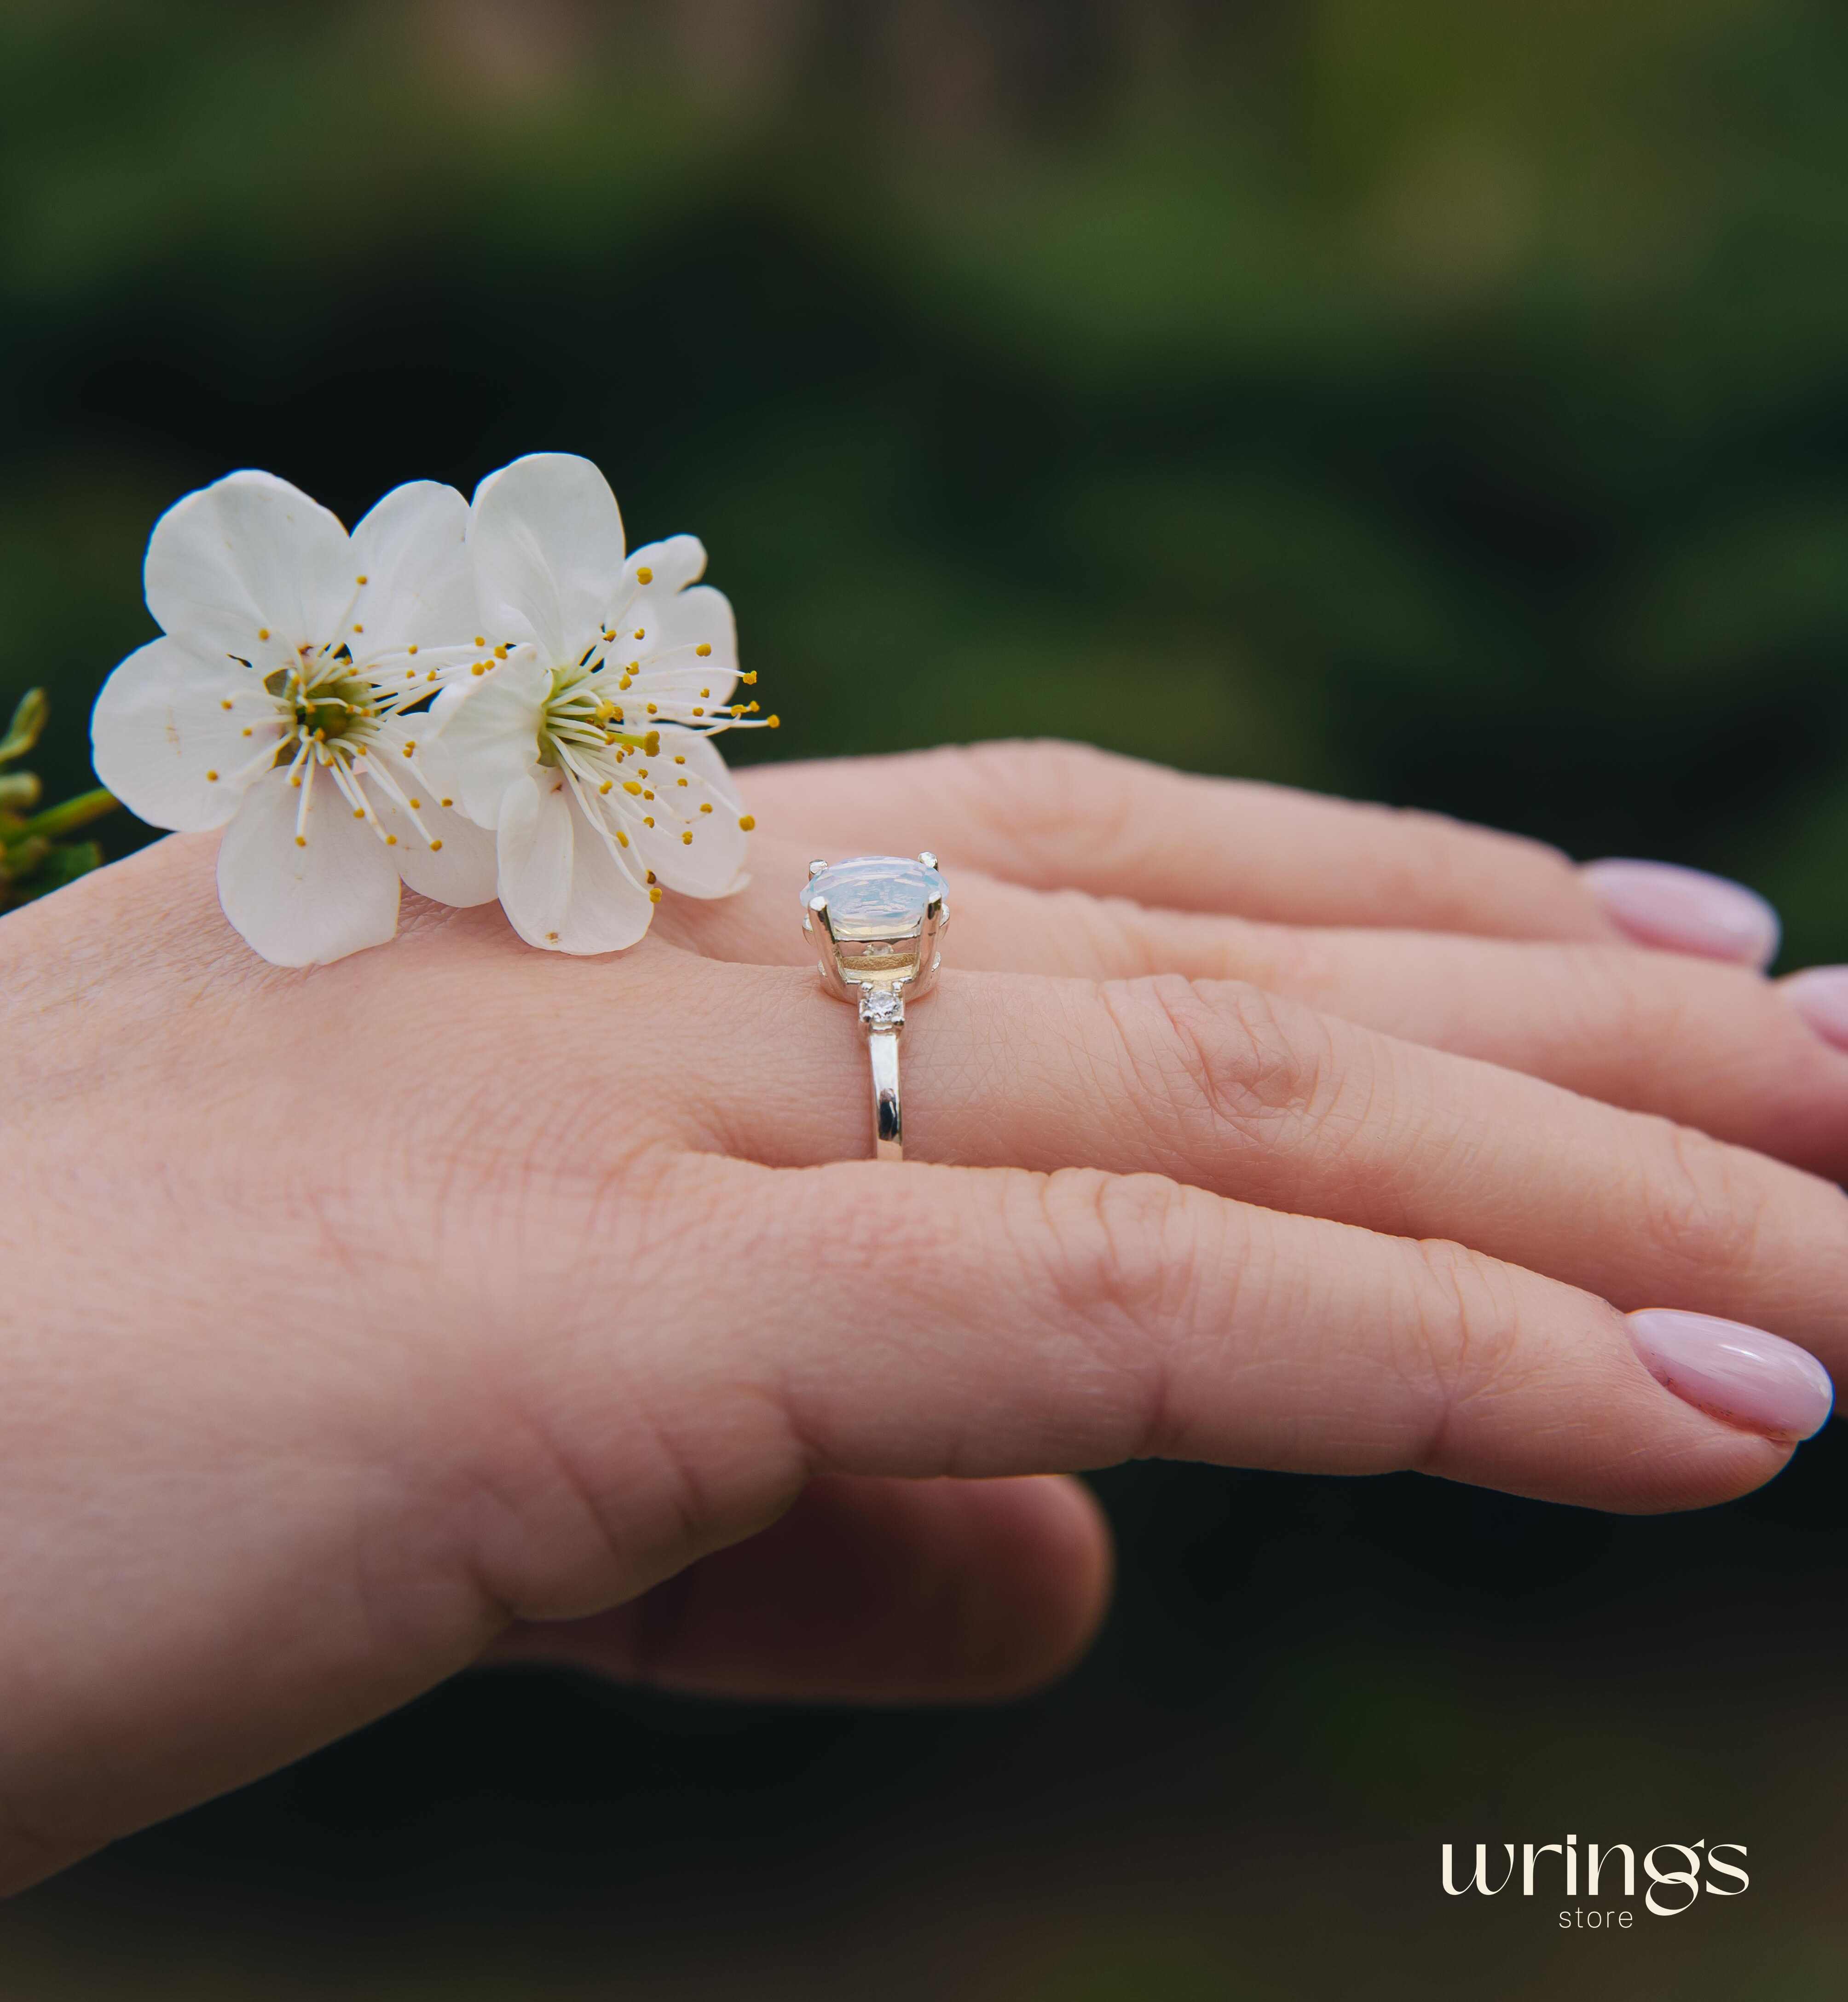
(875, 896)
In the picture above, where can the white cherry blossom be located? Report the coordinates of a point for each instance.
(581, 736)
(275, 705)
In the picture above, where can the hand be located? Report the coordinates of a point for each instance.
(455, 1299)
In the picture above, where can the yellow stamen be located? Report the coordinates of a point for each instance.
(747, 821)
(644, 575)
(703, 649)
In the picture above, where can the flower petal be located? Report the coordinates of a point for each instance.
(171, 731)
(304, 905)
(546, 544)
(438, 851)
(674, 626)
(711, 864)
(412, 549)
(535, 849)
(561, 885)
(491, 735)
(248, 556)
(671, 565)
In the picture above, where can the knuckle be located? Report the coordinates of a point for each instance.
(1705, 1204)
(1040, 792)
(1126, 1273)
(1233, 1058)
(1464, 1333)
(1449, 865)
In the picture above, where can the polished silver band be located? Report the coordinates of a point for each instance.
(882, 1011)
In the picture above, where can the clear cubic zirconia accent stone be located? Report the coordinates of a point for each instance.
(881, 1007)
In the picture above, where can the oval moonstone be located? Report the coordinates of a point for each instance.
(875, 896)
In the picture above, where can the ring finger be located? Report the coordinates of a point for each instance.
(1709, 1045)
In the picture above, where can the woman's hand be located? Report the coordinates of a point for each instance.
(455, 1299)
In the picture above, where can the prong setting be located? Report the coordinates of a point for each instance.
(882, 916)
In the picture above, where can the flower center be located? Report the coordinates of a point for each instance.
(582, 721)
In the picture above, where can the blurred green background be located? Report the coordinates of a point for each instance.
(1436, 402)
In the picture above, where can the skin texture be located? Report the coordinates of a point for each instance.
(456, 1301)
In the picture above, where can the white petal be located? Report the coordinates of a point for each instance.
(167, 735)
(674, 627)
(412, 549)
(407, 793)
(246, 556)
(302, 906)
(671, 565)
(561, 885)
(711, 863)
(535, 844)
(491, 737)
(546, 544)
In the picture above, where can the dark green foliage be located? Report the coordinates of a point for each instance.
(1438, 403)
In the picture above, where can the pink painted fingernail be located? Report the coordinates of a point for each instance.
(1756, 1379)
(1820, 996)
(1684, 910)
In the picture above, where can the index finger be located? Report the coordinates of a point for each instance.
(1065, 816)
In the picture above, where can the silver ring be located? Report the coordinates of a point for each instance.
(878, 918)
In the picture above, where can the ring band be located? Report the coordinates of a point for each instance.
(882, 1047)
(879, 917)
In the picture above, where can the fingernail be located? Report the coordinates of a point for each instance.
(1820, 995)
(1684, 910)
(1735, 1371)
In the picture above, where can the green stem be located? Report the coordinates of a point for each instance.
(61, 819)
